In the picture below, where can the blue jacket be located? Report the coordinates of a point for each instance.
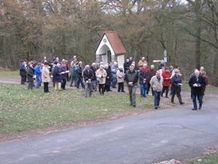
(37, 71)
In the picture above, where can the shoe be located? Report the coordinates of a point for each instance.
(194, 109)
(134, 106)
(181, 103)
(156, 107)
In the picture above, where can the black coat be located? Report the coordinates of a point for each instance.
(132, 76)
(57, 74)
(23, 70)
(88, 74)
(30, 74)
(175, 84)
(197, 85)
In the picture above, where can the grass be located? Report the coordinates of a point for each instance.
(22, 110)
(210, 159)
(9, 73)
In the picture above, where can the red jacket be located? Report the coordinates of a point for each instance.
(166, 78)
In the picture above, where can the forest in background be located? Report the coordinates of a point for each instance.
(187, 29)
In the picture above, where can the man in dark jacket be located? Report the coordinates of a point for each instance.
(30, 74)
(197, 84)
(132, 80)
(57, 76)
(79, 71)
(176, 82)
(88, 76)
(23, 72)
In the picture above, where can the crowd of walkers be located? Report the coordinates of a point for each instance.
(159, 82)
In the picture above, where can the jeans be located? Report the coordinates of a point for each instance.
(143, 89)
(80, 81)
(156, 99)
(196, 97)
(38, 81)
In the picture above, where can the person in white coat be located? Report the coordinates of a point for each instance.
(46, 77)
(101, 75)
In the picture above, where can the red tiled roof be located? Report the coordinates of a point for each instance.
(115, 42)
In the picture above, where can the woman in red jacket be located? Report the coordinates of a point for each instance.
(166, 82)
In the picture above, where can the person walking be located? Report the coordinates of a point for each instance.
(46, 77)
(176, 82)
(157, 87)
(132, 80)
(197, 85)
(143, 77)
(166, 82)
(151, 73)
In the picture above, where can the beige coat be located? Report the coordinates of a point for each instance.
(120, 76)
(101, 75)
(155, 84)
(45, 75)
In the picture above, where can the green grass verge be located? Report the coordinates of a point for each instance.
(23, 110)
(211, 159)
(9, 73)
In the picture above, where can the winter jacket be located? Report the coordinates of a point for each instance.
(57, 74)
(23, 70)
(30, 74)
(166, 78)
(101, 75)
(143, 75)
(157, 83)
(37, 71)
(88, 74)
(132, 76)
(120, 76)
(197, 85)
(176, 81)
(45, 75)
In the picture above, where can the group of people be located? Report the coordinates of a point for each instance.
(164, 81)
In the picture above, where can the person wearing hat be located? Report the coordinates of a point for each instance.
(132, 80)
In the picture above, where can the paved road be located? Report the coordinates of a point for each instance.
(155, 136)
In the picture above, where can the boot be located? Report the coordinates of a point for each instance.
(180, 100)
